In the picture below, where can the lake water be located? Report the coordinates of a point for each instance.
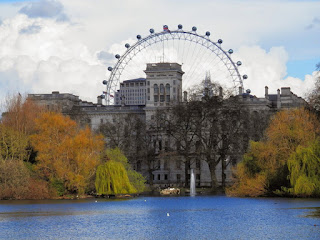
(200, 217)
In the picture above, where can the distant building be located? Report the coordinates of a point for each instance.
(132, 92)
(161, 89)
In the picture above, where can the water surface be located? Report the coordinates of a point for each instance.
(200, 217)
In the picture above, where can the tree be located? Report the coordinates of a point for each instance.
(182, 126)
(314, 96)
(16, 126)
(116, 176)
(268, 159)
(64, 152)
(135, 178)
(304, 170)
(220, 132)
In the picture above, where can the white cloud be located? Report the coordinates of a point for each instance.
(47, 59)
(268, 68)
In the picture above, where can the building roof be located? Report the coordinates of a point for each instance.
(134, 80)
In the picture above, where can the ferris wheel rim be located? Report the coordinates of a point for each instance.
(142, 43)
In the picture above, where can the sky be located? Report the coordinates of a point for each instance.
(67, 45)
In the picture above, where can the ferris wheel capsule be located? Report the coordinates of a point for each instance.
(245, 76)
(105, 82)
(230, 51)
(127, 45)
(110, 69)
(180, 26)
(151, 30)
(194, 29)
(208, 34)
(139, 37)
(220, 41)
(117, 56)
(239, 63)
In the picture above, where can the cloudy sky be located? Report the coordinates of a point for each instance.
(66, 45)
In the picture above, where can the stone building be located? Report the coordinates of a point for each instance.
(162, 89)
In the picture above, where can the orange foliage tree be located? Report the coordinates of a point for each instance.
(264, 168)
(65, 152)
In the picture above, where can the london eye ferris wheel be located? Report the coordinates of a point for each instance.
(197, 54)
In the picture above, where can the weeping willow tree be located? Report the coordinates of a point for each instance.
(135, 178)
(304, 168)
(112, 178)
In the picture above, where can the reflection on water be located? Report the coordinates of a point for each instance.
(201, 217)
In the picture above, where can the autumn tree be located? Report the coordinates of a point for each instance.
(65, 152)
(267, 160)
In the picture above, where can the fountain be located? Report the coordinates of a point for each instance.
(192, 184)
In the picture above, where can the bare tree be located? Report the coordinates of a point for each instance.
(182, 126)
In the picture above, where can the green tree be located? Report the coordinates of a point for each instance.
(112, 178)
(304, 168)
(116, 176)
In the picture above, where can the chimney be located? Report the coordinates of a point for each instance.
(185, 96)
(220, 92)
(266, 93)
(99, 100)
(278, 99)
(240, 91)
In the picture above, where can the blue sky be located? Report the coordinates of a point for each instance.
(50, 45)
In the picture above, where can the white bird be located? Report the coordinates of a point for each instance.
(96, 201)
(168, 215)
(145, 200)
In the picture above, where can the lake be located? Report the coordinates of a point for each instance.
(200, 217)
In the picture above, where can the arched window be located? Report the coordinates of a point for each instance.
(156, 89)
(167, 89)
(161, 89)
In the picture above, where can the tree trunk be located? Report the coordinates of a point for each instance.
(223, 174)
(186, 173)
(214, 182)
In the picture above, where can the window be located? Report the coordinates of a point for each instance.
(148, 90)
(166, 145)
(161, 98)
(167, 88)
(178, 164)
(156, 89)
(198, 163)
(156, 98)
(178, 177)
(158, 176)
(161, 89)
(166, 177)
(148, 83)
(198, 177)
(101, 120)
(168, 98)
(138, 165)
